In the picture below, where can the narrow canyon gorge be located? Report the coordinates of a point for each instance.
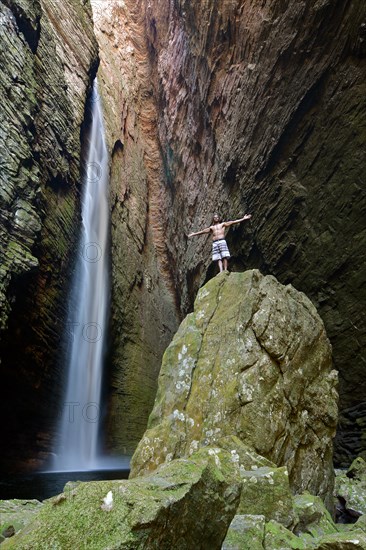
(228, 105)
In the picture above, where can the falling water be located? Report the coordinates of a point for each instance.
(87, 317)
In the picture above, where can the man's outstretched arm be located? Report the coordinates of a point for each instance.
(207, 230)
(246, 217)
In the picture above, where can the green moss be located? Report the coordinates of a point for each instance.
(245, 531)
(314, 518)
(237, 367)
(185, 500)
(278, 537)
(357, 470)
(360, 524)
(17, 513)
(266, 491)
(352, 489)
(77, 520)
(343, 541)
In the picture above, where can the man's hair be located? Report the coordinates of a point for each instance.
(218, 215)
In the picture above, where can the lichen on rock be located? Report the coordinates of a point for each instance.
(245, 531)
(186, 504)
(252, 361)
(17, 514)
(351, 485)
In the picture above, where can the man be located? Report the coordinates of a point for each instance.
(220, 251)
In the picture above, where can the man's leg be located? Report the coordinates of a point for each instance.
(225, 264)
(220, 265)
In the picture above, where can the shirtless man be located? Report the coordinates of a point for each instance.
(220, 251)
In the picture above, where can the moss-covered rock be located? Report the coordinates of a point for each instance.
(245, 531)
(313, 517)
(357, 470)
(343, 541)
(266, 491)
(253, 361)
(360, 524)
(352, 489)
(186, 504)
(17, 514)
(244, 455)
(277, 537)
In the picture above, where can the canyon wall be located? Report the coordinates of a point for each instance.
(261, 109)
(144, 312)
(49, 58)
(213, 105)
(253, 107)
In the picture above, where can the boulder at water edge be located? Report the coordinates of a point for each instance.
(186, 504)
(252, 360)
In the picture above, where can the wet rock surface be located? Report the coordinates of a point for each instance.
(245, 531)
(350, 487)
(49, 55)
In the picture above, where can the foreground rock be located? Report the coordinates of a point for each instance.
(245, 531)
(313, 518)
(343, 541)
(254, 533)
(15, 515)
(351, 485)
(252, 360)
(266, 492)
(186, 504)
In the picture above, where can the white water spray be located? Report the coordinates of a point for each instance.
(87, 314)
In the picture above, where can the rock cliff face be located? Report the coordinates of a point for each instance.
(144, 309)
(49, 56)
(260, 108)
(251, 361)
(217, 105)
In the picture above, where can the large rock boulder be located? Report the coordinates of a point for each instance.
(252, 360)
(313, 518)
(266, 492)
(186, 504)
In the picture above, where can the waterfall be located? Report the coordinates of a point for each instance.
(87, 312)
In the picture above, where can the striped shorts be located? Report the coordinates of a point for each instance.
(220, 250)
